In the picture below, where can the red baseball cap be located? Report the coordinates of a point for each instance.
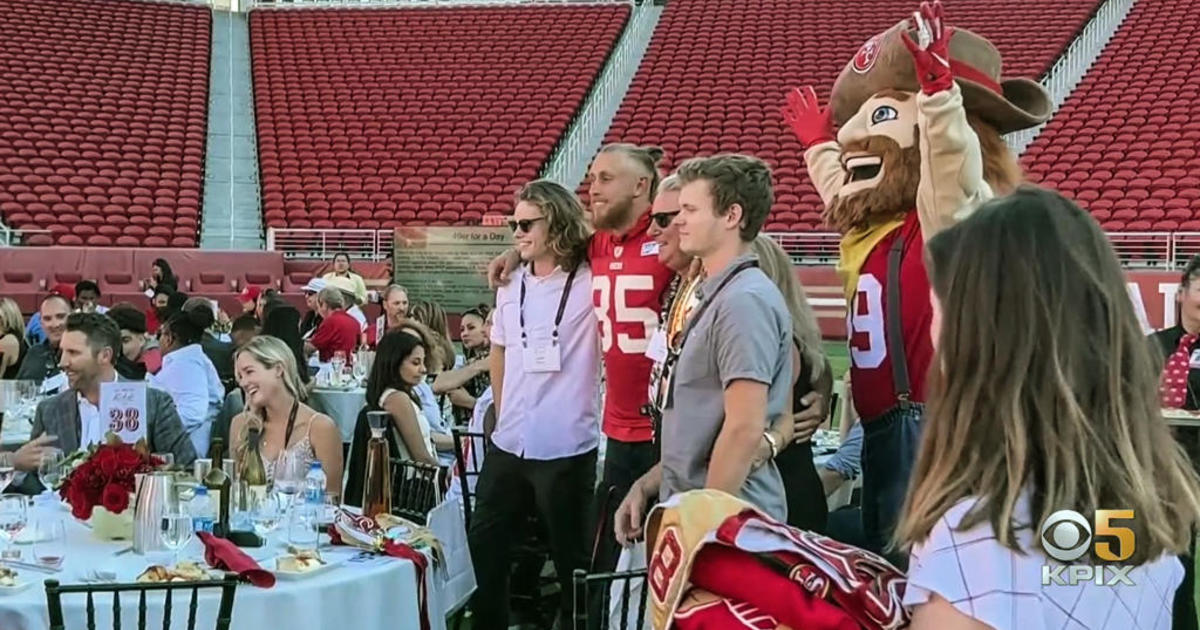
(250, 294)
(65, 290)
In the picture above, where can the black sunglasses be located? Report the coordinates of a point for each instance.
(524, 224)
(663, 219)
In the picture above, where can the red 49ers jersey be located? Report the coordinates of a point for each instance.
(870, 362)
(628, 283)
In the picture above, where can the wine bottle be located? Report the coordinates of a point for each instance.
(219, 485)
(253, 474)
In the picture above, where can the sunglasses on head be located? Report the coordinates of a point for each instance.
(523, 224)
(663, 219)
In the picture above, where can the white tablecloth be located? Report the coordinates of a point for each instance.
(373, 591)
(341, 405)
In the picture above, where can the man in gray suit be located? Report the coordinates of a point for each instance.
(89, 348)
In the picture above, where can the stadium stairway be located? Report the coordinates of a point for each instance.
(232, 218)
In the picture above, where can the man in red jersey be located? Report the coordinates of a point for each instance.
(921, 109)
(628, 284)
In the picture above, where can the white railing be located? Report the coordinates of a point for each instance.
(1073, 64)
(347, 4)
(317, 244)
(1154, 250)
(569, 163)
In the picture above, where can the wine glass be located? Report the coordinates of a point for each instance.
(359, 371)
(7, 473)
(50, 542)
(266, 514)
(14, 513)
(176, 533)
(338, 364)
(289, 476)
(50, 470)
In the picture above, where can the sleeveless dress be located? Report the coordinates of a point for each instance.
(422, 422)
(807, 506)
(302, 449)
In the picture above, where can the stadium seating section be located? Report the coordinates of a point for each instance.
(380, 117)
(1125, 144)
(103, 110)
(716, 73)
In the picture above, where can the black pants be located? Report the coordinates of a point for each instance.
(1183, 611)
(624, 463)
(807, 507)
(889, 453)
(561, 489)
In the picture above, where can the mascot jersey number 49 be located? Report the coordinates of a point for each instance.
(920, 110)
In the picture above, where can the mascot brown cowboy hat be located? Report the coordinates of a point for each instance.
(884, 62)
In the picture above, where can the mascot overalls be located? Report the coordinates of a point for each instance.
(920, 110)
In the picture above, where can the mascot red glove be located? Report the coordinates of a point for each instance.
(811, 123)
(932, 53)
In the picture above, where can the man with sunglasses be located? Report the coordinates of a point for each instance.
(629, 284)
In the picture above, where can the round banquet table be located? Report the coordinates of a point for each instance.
(342, 405)
(373, 591)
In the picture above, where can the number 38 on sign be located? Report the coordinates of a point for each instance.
(124, 404)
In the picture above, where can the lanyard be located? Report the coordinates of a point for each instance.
(673, 355)
(562, 307)
(687, 329)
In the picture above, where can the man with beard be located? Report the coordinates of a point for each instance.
(628, 285)
(919, 147)
(90, 347)
(41, 361)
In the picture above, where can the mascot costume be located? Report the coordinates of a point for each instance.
(920, 110)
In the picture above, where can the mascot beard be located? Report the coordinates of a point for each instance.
(881, 176)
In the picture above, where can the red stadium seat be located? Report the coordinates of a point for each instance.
(379, 133)
(82, 164)
(1138, 131)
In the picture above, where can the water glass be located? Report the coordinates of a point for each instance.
(51, 469)
(176, 533)
(50, 542)
(14, 514)
(266, 515)
(302, 527)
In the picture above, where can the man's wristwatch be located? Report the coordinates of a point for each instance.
(773, 442)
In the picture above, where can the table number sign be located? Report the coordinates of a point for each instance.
(123, 406)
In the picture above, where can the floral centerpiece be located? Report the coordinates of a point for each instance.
(99, 484)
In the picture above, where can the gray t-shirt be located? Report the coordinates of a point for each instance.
(745, 333)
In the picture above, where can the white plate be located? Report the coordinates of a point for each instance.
(289, 575)
(13, 590)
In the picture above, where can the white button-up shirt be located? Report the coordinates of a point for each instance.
(189, 377)
(548, 415)
(91, 426)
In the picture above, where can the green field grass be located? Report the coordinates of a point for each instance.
(839, 357)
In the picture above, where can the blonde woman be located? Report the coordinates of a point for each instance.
(1043, 397)
(433, 316)
(12, 339)
(266, 372)
(812, 383)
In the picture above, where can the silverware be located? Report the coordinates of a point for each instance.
(32, 567)
(123, 551)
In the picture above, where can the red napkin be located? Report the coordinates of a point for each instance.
(394, 549)
(224, 555)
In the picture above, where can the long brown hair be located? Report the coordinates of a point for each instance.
(566, 229)
(1043, 383)
(805, 330)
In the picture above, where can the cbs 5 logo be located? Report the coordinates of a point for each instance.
(1066, 535)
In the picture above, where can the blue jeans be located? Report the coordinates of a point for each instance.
(890, 444)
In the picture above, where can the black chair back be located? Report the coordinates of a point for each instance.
(468, 456)
(590, 588)
(55, 591)
(414, 489)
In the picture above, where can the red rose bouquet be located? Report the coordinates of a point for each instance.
(104, 476)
